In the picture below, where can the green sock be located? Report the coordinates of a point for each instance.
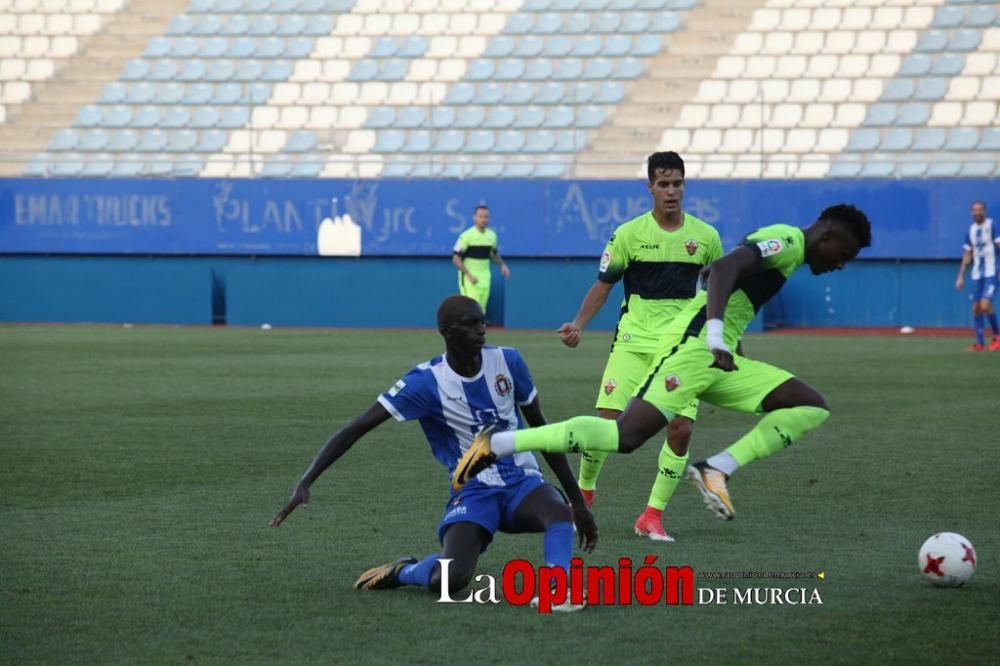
(775, 431)
(591, 463)
(580, 433)
(669, 472)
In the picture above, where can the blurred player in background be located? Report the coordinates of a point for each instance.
(659, 255)
(454, 396)
(981, 250)
(696, 362)
(475, 248)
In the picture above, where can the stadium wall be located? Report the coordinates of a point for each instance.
(398, 292)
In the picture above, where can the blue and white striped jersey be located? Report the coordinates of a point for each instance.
(982, 241)
(452, 408)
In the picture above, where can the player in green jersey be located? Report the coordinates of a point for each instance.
(474, 249)
(700, 363)
(659, 255)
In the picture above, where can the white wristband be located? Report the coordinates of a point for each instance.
(714, 339)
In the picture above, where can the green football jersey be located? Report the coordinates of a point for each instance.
(782, 249)
(476, 249)
(660, 269)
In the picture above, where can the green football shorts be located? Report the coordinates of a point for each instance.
(624, 374)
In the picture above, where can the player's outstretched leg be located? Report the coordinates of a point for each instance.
(670, 468)
(592, 462)
(384, 576)
(792, 409)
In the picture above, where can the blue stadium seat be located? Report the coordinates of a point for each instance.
(629, 68)
(232, 26)
(298, 48)
(68, 165)
(912, 167)
(539, 141)
(931, 89)
(653, 5)
(301, 142)
(588, 117)
(158, 47)
(159, 165)
(646, 45)
(600, 69)
(258, 93)
(317, 26)
(898, 90)
(962, 138)
(681, 5)
(878, 167)
(915, 114)
(212, 47)
(845, 169)
(207, 25)
(479, 141)
(480, 70)
(116, 116)
(570, 141)
(418, 141)
(468, 117)
(152, 141)
(128, 167)
(112, 93)
(594, 5)
(622, 5)
(550, 169)
(519, 92)
(384, 47)
(227, 93)
(558, 117)
(141, 92)
(577, 24)
(928, 139)
(536, 5)
(610, 92)
(181, 24)
(249, 70)
(393, 69)
(234, 117)
(558, 46)
(442, 117)
(397, 169)
(500, 46)
(63, 140)
(170, 93)
(568, 69)
(538, 69)
(990, 139)
(529, 117)
(337, 6)
(635, 22)
(411, 117)
(163, 70)
(932, 41)
(135, 70)
(586, 46)
(529, 46)
(221, 70)
(270, 47)
(944, 168)
(198, 93)
(145, 116)
(175, 117)
(205, 117)
(460, 93)
(212, 141)
(550, 92)
(947, 16)
(980, 16)
(499, 117)
(948, 64)
(606, 22)
(455, 168)
(449, 141)
(965, 40)
(200, 6)
(123, 141)
(226, 6)
(978, 169)
(182, 141)
(191, 70)
(278, 70)
(517, 169)
(616, 46)
(581, 92)
(255, 6)
(519, 24)
(291, 6)
(98, 166)
(862, 140)
(880, 115)
(509, 69)
(486, 168)
(896, 139)
(490, 93)
(414, 46)
(564, 5)
(277, 166)
(292, 25)
(389, 141)
(915, 64)
(547, 24)
(381, 117)
(308, 167)
(89, 116)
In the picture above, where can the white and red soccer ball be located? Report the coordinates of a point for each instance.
(947, 559)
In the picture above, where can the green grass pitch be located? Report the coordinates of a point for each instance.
(140, 468)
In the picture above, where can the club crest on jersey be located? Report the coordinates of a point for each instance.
(770, 247)
(610, 386)
(691, 246)
(672, 382)
(605, 261)
(502, 385)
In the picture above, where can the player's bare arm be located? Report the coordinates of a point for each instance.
(456, 260)
(597, 296)
(966, 260)
(586, 526)
(335, 447)
(498, 260)
(722, 279)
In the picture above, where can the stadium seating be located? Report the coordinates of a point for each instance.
(518, 88)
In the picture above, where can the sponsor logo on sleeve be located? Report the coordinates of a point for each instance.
(770, 247)
(605, 261)
(399, 386)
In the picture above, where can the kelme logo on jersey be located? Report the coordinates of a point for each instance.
(672, 382)
(610, 386)
(691, 246)
(605, 261)
(503, 385)
(769, 247)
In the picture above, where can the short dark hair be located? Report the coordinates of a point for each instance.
(481, 207)
(663, 160)
(854, 220)
(980, 202)
(453, 307)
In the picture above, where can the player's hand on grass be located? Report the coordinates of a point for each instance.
(569, 333)
(299, 496)
(586, 527)
(723, 360)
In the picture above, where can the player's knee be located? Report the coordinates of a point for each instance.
(629, 439)
(459, 578)
(556, 512)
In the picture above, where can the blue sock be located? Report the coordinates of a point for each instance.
(992, 317)
(419, 574)
(980, 323)
(559, 545)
